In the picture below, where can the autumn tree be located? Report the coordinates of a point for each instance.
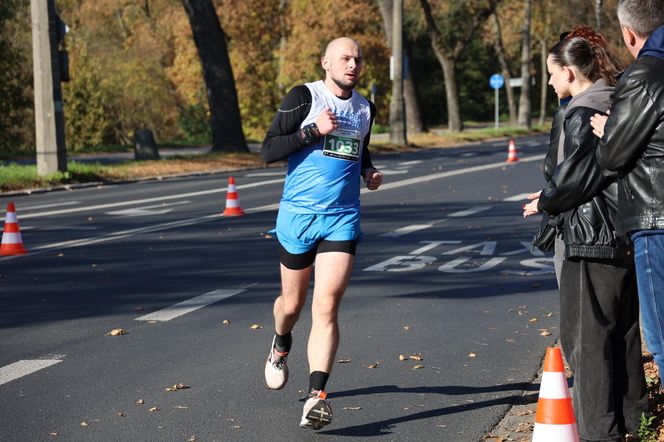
(450, 31)
(524, 99)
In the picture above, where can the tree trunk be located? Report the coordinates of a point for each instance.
(227, 135)
(598, 14)
(544, 79)
(283, 40)
(502, 58)
(413, 117)
(454, 122)
(524, 100)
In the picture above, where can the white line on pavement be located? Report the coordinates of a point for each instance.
(468, 212)
(260, 174)
(190, 305)
(46, 206)
(519, 197)
(436, 176)
(22, 368)
(406, 230)
(146, 200)
(410, 163)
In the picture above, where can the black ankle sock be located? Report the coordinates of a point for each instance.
(283, 342)
(317, 380)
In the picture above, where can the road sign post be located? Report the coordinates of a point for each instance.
(496, 81)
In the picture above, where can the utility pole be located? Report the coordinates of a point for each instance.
(397, 114)
(49, 115)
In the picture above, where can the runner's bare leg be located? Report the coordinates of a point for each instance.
(332, 273)
(287, 307)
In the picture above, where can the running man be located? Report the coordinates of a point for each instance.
(323, 129)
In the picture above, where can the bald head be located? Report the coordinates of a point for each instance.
(341, 43)
(343, 64)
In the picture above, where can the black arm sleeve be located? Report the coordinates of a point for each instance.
(579, 177)
(283, 137)
(366, 156)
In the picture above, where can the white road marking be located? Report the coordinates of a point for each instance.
(468, 212)
(519, 197)
(406, 230)
(56, 228)
(450, 173)
(261, 174)
(190, 305)
(410, 163)
(393, 172)
(468, 154)
(221, 189)
(46, 206)
(432, 245)
(22, 368)
(161, 209)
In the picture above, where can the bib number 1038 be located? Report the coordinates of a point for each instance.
(342, 144)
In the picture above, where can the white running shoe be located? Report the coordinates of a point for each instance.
(317, 411)
(276, 370)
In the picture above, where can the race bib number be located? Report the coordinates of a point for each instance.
(343, 144)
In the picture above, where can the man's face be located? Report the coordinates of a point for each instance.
(343, 64)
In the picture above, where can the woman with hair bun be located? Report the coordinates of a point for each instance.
(599, 312)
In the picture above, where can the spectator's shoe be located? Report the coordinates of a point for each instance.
(317, 411)
(276, 370)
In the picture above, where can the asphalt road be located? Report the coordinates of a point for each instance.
(444, 270)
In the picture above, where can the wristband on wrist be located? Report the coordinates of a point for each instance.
(310, 133)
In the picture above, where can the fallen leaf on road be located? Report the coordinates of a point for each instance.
(418, 367)
(53, 433)
(256, 326)
(545, 333)
(192, 439)
(375, 365)
(177, 387)
(352, 408)
(510, 340)
(154, 409)
(402, 358)
(268, 236)
(417, 357)
(140, 402)
(548, 315)
(343, 361)
(181, 407)
(532, 320)
(226, 322)
(120, 413)
(84, 424)
(406, 327)
(117, 332)
(472, 355)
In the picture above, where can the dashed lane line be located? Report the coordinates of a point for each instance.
(406, 230)
(519, 197)
(22, 368)
(190, 305)
(469, 212)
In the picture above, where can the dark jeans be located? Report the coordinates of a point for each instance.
(599, 333)
(649, 260)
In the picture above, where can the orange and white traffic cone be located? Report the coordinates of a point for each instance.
(512, 156)
(232, 201)
(554, 420)
(12, 243)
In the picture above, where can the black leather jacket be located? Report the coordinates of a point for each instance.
(633, 146)
(587, 228)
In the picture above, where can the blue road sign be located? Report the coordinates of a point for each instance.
(496, 81)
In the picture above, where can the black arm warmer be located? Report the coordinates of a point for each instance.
(283, 137)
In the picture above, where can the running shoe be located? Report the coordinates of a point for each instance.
(317, 411)
(276, 370)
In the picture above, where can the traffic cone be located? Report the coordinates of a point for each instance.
(554, 420)
(12, 244)
(232, 201)
(511, 152)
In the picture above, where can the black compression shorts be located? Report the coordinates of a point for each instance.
(303, 260)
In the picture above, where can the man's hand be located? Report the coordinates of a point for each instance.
(373, 178)
(598, 121)
(326, 122)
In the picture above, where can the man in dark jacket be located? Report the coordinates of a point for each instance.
(632, 144)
